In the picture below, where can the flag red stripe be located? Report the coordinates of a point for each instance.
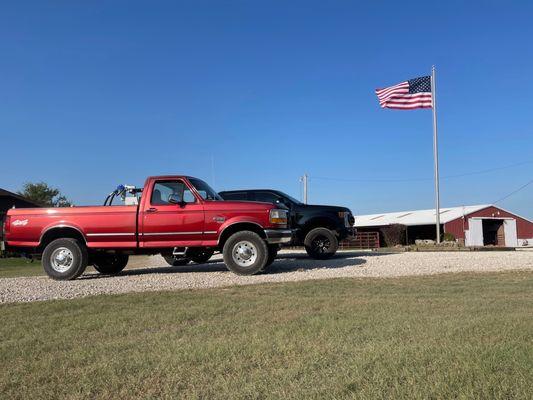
(380, 92)
(407, 106)
(391, 87)
(406, 101)
(386, 92)
(410, 96)
(413, 99)
(398, 92)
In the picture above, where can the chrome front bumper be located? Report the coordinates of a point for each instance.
(276, 236)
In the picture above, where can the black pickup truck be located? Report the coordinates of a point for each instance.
(318, 228)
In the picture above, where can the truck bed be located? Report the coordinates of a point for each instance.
(102, 226)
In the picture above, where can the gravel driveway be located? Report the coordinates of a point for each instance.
(149, 273)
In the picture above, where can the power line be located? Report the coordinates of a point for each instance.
(516, 191)
(485, 171)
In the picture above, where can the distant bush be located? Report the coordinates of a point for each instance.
(394, 234)
(448, 237)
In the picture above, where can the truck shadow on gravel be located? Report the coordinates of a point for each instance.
(284, 263)
(290, 262)
(339, 255)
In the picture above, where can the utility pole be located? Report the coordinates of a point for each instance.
(304, 180)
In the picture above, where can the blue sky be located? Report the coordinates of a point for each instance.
(254, 94)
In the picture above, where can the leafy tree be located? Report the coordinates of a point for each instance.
(44, 194)
(448, 237)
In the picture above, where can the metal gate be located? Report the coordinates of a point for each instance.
(362, 240)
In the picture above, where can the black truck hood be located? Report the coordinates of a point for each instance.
(316, 207)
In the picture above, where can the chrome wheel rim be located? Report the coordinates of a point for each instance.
(61, 259)
(244, 253)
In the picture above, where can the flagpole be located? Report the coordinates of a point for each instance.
(435, 153)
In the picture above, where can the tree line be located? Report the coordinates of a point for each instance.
(42, 193)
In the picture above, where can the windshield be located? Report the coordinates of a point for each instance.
(204, 189)
(290, 198)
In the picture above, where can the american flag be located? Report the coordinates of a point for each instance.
(408, 95)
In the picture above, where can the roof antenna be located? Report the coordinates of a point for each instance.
(213, 171)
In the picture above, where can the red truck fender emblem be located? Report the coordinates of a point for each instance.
(219, 219)
(20, 222)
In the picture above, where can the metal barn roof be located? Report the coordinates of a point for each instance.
(417, 217)
(7, 193)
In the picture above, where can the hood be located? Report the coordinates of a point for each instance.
(333, 209)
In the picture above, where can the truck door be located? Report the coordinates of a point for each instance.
(167, 224)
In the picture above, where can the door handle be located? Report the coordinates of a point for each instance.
(151, 210)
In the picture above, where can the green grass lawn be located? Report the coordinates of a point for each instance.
(13, 267)
(437, 337)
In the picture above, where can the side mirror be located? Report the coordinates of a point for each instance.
(175, 199)
(283, 202)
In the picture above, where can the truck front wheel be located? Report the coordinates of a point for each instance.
(64, 259)
(245, 253)
(109, 264)
(321, 243)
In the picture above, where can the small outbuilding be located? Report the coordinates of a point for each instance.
(9, 200)
(481, 225)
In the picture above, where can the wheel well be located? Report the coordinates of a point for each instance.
(237, 227)
(319, 223)
(58, 233)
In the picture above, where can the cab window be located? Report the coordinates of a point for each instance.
(164, 189)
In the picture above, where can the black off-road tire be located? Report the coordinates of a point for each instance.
(250, 241)
(75, 249)
(200, 255)
(176, 261)
(109, 264)
(321, 243)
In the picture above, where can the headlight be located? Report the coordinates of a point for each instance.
(348, 218)
(278, 217)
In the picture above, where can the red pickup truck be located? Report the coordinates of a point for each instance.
(179, 217)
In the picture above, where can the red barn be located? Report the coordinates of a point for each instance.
(480, 225)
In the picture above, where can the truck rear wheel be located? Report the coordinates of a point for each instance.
(200, 255)
(245, 253)
(272, 253)
(64, 259)
(109, 264)
(321, 243)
